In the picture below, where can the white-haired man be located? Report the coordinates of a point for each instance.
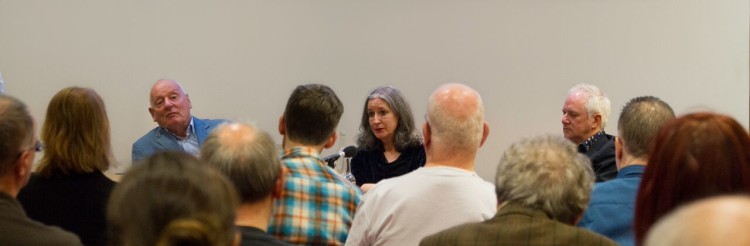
(446, 191)
(585, 115)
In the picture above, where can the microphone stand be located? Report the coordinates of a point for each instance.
(348, 171)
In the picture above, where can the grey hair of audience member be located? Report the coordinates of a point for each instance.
(16, 130)
(721, 220)
(639, 121)
(247, 156)
(457, 124)
(406, 134)
(172, 199)
(546, 173)
(596, 101)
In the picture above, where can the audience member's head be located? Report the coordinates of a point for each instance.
(638, 123)
(311, 115)
(76, 134)
(172, 199)
(546, 173)
(585, 112)
(170, 106)
(17, 144)
(455, 122)
(248, 157)
(404, 134)
(715, 221)
(694, 156)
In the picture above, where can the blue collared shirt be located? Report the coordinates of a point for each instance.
(612, 206)
(190, 142)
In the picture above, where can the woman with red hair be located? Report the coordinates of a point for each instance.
(695, 156)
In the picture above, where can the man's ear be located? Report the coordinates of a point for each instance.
(618, 151)
(331, 140)
(282, 126)
(151, 111)
(485, 133)
(22, 170)
(597, 122)
(187, 97)
(278, 187)
(426, 134)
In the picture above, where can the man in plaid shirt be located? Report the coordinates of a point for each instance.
(317, 205)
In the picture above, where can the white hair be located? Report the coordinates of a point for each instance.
(546, 173)
(596, 101)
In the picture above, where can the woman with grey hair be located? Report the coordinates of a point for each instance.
(388, 142)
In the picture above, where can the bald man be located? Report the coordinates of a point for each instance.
(248, 157)
(178, 129)
(444, 193)
(714, 221)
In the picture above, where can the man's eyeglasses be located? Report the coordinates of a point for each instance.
(38, 146)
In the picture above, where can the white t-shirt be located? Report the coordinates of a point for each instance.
(405, 209)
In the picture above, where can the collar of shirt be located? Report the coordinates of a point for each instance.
(190, 131)
(635, 170)
(299, 151)
(586, 145)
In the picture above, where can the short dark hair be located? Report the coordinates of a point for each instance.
(172, 199)
(16, 130)
(247, 156)
(694, 156)
(639, 121)
(312, 114)
(406, 135)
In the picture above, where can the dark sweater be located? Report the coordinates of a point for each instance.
(371, 166)
(76, 203)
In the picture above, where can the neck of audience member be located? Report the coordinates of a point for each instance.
(451, 157)
(629, 160)
(255, 214)
(289, 144)
(9, 185)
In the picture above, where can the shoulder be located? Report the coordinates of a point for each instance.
(209, 122)
(146, 138)
(461, 233)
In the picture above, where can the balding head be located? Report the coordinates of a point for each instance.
(716, 221)
(170, 106)
(455, 116)
(247, 156)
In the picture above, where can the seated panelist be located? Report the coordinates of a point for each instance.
(178, 130)
(389, 144)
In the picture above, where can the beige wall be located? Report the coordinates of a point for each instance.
(240, 59)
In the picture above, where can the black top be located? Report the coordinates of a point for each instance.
(254, 236)
(17, 229)
(76, 203)
(601, 150)
(371, 166)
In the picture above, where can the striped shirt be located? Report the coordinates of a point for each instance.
(317, 205)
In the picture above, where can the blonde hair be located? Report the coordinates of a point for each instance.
(76, 133)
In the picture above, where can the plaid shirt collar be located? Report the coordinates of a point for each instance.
(299, 151)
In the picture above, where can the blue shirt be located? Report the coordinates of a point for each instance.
(612, 206)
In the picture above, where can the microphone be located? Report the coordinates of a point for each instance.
(348, 152)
